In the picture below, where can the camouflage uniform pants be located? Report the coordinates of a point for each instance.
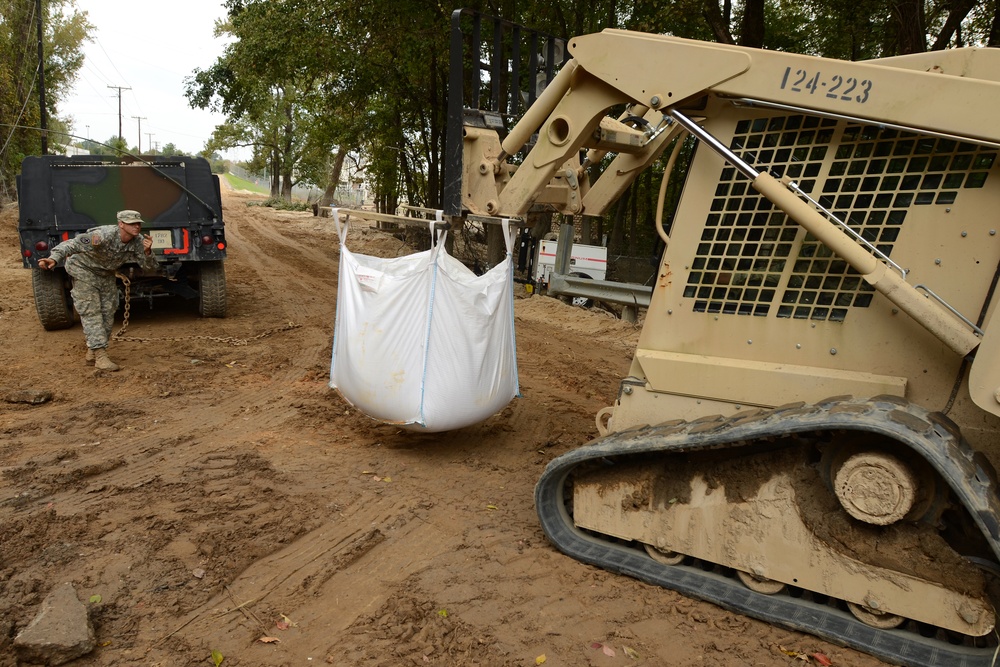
(96, 300)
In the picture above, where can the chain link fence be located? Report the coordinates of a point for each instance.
(344, 195)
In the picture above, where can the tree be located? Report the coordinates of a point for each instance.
(267, 82)
(956, 12)
(64, 31)
(308, 82)
(909, 26)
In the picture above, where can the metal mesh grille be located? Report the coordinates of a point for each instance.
(750, 253)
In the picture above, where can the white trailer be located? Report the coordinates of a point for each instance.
(588, 261)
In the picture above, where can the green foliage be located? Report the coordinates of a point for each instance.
(64, 30)
(306, 82)
(281, 204)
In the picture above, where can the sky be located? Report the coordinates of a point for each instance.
(147, 47)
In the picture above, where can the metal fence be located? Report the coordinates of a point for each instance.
(344, 195)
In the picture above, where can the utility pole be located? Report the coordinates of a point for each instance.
(140, 119)
(149, 140)
(120, 89)
(41, 81)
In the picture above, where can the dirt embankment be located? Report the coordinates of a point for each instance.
(213, 494)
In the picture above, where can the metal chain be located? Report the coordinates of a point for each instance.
(229, 340)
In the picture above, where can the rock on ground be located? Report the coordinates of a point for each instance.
(59, 633)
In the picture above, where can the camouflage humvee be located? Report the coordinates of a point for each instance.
(178, 197)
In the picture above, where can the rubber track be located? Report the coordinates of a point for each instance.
(931, 435)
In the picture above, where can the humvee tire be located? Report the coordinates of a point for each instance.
(212, 289)
(52, 300)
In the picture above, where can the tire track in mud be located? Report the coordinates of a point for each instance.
(88, 479)
(355, 559)
(292, 284)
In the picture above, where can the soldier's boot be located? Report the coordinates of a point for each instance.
(103, 362)
(90, 356)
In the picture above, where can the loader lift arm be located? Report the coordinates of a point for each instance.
(570, 117)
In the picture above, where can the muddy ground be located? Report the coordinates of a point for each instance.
(214, 494)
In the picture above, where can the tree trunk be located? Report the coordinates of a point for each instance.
(752, 25)
(909, 22)
(435, 189)
(628, 226)
(994, 39)
(618, 226)
(334, 179)
(275, 174)
(718, 23)
(408, 185)
(496, 249)
(287, 157)
(957, 11)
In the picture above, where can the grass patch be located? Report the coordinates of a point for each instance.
(243, 184)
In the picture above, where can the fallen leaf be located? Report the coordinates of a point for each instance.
(377, 478)
(107, 643)
(789, 653)
(281, 625)
(217, 658)
(95, 599)
(596, 645)
(269, 640)
(290, 622)
(803, 657)
(491, 507)
(367, 472)
(198, 573)
(630, 652)
(443, 613)
(608, 651)
(540, 659)
(822, 659)
(387, 479)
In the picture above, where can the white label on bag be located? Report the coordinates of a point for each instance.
(369, 279)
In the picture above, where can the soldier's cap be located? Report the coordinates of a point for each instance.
(130, 217)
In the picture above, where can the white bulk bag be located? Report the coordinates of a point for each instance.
(421, 341)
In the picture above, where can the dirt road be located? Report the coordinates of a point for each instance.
(213, 495)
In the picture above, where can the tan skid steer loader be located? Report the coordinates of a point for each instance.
(808, 431)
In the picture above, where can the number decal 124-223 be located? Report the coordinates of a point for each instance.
(836, 86)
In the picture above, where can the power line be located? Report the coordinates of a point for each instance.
(98, 42)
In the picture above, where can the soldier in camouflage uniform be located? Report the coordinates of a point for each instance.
(92, 258)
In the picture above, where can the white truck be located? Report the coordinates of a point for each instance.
(586, 261)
